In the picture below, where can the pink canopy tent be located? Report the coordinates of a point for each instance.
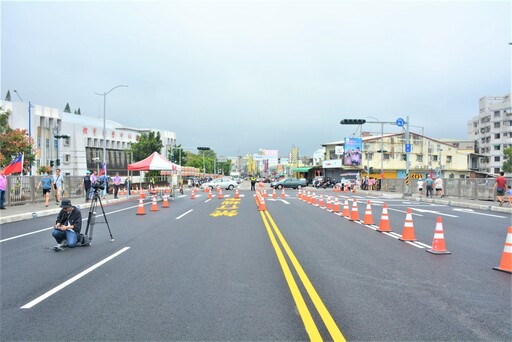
(154, 162)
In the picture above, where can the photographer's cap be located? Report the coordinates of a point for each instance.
(65, 204)
(87, 172)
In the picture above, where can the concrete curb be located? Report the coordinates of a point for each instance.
(455, 203)
(48, 212)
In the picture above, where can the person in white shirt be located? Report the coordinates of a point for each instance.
(438, 183)
(420, 186)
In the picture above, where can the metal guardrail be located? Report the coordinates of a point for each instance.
(468, 188)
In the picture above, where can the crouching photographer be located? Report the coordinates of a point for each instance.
(67, 226)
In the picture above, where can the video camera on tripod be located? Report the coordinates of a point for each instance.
(91, 218)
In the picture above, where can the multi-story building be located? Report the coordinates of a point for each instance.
(427, 156)
(491, 131)
(74, 143)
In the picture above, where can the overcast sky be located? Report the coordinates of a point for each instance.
(242, 75)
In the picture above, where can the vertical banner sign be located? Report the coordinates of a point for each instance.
(353, 152)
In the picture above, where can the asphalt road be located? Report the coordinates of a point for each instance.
(222, 270)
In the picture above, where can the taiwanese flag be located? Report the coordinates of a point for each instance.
(16, 166)
(103, 170)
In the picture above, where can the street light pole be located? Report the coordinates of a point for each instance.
(104, 94)
(29, 123)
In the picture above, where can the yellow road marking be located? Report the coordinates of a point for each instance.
(317, 301)
(309, 323)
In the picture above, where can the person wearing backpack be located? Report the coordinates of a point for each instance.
(46, 184)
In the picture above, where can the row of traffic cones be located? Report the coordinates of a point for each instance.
(260, 200)
(154, 205)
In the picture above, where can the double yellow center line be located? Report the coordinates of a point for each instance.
(309, 323)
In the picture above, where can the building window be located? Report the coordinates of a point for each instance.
(497, 170)
(448, 159)
(67, 158)
(419, 158)
(497, 114)
(434, 157)
(404, 156)
(496, 125)
(496, 136)
(386, 156)
(496, 158)
(47, 143)
(497, 147)
(66, 142)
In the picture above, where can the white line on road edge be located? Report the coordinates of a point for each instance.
(72, 280)
(405, 212)
(470, 211)
(177, 218)
(84, 219)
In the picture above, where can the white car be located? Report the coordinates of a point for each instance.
(223, 183)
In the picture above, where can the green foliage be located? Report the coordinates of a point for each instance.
(67, 109)
(178, 155)
(78, 111)
(507, 165)
(42, 169)
(147, 144)
(4, 120)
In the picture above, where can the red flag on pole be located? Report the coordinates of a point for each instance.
(16, 166)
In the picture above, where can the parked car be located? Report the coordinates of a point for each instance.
(294, 183)
(223, 183)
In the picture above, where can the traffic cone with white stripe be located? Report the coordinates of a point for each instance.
(328, 204)
(438, 246)
(299, 194)
(210, 195)
(408, 232)
(336, 206)
(274, 195)
(220, 196)
(354, 214)
(237, 194)
(321, 201)
(506, 258)
(368, 217)
(384, 225)
(313, 199)
(154, 206)
(193, 195)
(165, 203)
(346, 209)
(262, 206)
(283, 195)
(140, 208)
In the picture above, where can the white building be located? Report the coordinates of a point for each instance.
(75, 142)
(491, 130)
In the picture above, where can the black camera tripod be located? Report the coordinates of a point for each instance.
(91, 218)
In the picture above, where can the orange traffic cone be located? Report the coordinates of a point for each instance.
(218, 188)
(140, 208)
(165, 203)
(299, 194)
(328, 204)
(313, 199)
(210, 195)
(346, 209)
(283, 194)
(193, 195)
(438, 246)
(336, 206)
(321, 201)
(384, 225)
(274, 195)
(154, 206)
(506, 258)
(265, 195)
(408, 232)
(368, 218)
(221, 196)
(237, 194)
(354, 214)
(262, 206)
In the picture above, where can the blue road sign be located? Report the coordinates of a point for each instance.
(407, 148)
(400, 122)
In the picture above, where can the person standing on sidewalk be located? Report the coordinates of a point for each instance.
(87, 185)
(3, 187)
(58, 181)
(46, 184)
(420, 186)
(439, 186)
(429, 182)
(117, 182)
(499, 186)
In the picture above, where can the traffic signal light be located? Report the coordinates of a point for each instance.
(57, 162)
(203, 148)
(51, 163)
(371, 169)
(352, 121)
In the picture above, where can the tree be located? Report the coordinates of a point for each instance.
(178, 155)
(8, 96)
(507, 165)
(13, 142)
(67, 109)
(78, 111)
(147, 144)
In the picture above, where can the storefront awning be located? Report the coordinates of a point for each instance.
(302, 169)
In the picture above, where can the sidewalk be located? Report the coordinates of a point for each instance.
(33, 210)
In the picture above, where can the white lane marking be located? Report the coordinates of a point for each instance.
(72, 280)
(392, 235)
(177, 218)
(470, 211)
(413, 244)
(423, 244)
(433, 212)
(84, 219)
(208, 200)
(405, 212)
